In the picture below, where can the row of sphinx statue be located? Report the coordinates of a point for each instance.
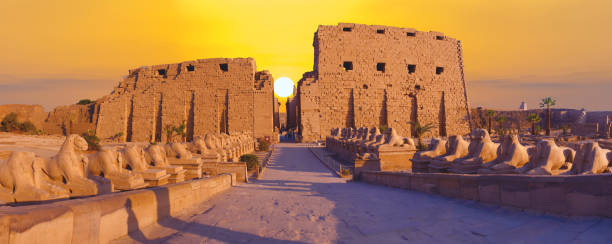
(479, 155)
(366, 143)
(483, 156)
(75, 172)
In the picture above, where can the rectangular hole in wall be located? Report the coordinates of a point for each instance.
(380, 31)
(380, 67)
(411, 68)
(161, 71)
(439, 37)
(439, 70)
(348, 65)
(223, 67)
(410, 34)
(190, 67)
(347, 29)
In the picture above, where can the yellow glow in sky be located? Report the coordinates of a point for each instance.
(57, 52)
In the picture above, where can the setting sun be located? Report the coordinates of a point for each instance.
(283, 87)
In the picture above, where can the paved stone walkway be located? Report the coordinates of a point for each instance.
(300, 201)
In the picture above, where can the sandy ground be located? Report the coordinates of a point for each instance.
(44, 146)
(300, 201)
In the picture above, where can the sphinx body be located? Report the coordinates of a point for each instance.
(177, 150)
(511, 155)
(394, 140)
(362, 147)
(70, 166)
(481, 150)
(420, 160)
(456, 147)
(22, 179)
(109, 163)
(549, 159)
(591, 159)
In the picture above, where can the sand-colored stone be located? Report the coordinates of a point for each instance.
(591, 159)
(549, 159)
(511, 155)
(109, 164)
(23, 179)
(481, 150)
(370, 75)
(70, 166)
(420, 161)
(456, 147)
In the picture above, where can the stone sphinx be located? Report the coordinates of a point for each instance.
(70, 167)
(198, 146)
(373, 134)
(380, 140)
(481, 150)
(136, 162)
(156, 157)
(108, 163)
(511, 155)
(456, 147)
(549, 159)
(591, 159)
(420, 161)
(176, 155)
(22, 179)
(176, 150)
(394, 140)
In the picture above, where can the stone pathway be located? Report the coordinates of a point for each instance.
(299, 200)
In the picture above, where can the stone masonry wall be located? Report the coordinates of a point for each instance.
(368, 75)
(208, 95)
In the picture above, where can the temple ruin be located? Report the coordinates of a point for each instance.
(207, 95)
(371, 75)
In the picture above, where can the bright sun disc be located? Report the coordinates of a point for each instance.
(283, 87)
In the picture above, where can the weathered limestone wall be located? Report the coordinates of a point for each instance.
(104, 218)
(378, 75)
(567, 195)
(33, 113)
(71, 119)
(208, 95)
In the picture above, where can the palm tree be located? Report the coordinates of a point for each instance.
(490, 114)
(534, 119)
(547, 102)
(420, 130)
(501, 120)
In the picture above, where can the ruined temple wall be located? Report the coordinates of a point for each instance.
(416, 64)
(113, 117)
(33, 113)
(208, 96)
(308, 110)
(71, 119)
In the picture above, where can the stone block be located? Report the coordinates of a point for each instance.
(450, 186)
(489, 190)
(547, 194)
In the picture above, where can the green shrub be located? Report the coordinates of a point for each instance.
(250, 160)
(93, 142)
(264, 145)
(345, 172)
(10, 124)
(85, 102)
(28, 127)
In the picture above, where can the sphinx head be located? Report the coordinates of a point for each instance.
(78, 142)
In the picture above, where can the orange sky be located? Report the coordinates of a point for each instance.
(56, 52)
